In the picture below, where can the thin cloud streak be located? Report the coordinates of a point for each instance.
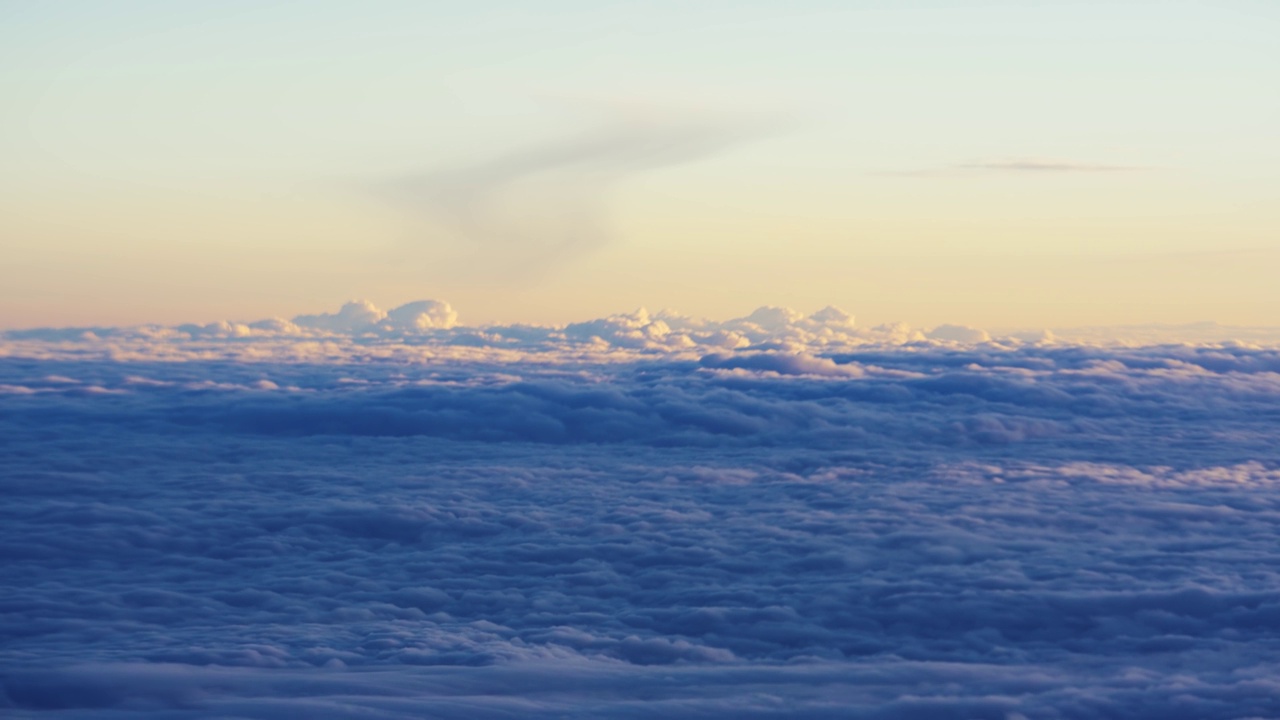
(1017, 165)
(1039, 165)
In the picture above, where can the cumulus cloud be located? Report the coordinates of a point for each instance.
(397, 517)
(360, 329)
(354, 317)
(958, 333)
(362, 316)
(423, 315)
(431, 329)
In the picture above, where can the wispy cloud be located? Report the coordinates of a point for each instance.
(1044, 165)
(531, 207)
(1033, 165)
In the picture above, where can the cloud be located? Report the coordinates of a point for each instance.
(354, 317)
(958, 333)
(359, 328)
(531, 208)
(782, 363)
(430, 329)
(1043, 165)
(423, 315)
(1032, 165)
(556, 523)
(897, 689)
(361, 316)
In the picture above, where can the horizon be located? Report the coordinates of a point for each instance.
(439, 317)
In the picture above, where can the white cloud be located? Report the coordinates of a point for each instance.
(423, 315)
(958, 334)
(356, 316)
(430, 329)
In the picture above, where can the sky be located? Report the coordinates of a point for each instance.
(998, 164)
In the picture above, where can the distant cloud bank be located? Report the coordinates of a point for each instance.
(432, 329)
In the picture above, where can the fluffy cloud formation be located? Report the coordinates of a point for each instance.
(362, 316)
(394, 520)
(360, 329)
(958, 333)
(429, 329)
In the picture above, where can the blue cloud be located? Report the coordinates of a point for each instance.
(894, 531)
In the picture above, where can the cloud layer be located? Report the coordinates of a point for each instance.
(773, 517)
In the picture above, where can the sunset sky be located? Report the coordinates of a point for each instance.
(1001, 164)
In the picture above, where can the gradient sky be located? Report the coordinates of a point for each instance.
(1000, 163)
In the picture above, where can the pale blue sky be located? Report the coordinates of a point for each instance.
(995, 163)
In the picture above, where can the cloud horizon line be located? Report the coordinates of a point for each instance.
(435, 323)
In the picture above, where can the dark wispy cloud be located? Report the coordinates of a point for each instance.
(531, 207)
